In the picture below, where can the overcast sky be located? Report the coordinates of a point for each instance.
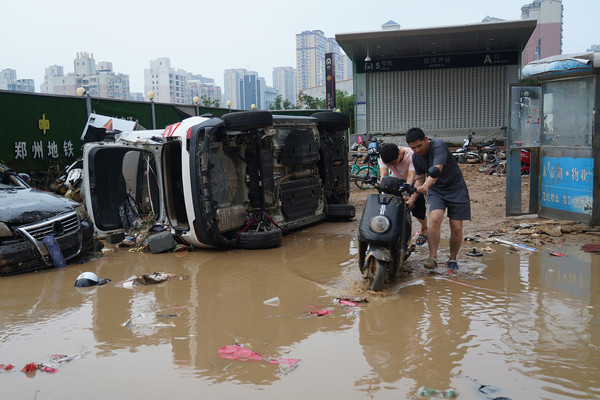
(207, 37)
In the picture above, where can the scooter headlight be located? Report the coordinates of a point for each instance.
(380, 224)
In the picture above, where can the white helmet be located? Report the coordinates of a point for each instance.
(86, 279)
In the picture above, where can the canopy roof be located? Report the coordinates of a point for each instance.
(460, 39)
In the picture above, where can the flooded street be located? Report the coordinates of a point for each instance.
(511, 324)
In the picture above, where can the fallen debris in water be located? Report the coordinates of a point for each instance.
(272, 301)
(239, 353)
(148, 279)
(319, 311)
(354, 299)
(152, 323)
(430, 392)
(512, 244)
(87, 279)
(556, 254)
(51, 367)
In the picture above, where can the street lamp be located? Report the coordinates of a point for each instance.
(196, 100)
(228, 104)
(253, 107)
(88, 101)
(150, 95)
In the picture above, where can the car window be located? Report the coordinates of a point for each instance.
(8, 180)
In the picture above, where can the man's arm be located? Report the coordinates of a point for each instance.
(429, 182)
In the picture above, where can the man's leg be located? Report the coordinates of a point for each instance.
(456, 237)
(433, 238)
(423, 223)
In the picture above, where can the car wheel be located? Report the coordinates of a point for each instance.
(340, 211)
(247, 120)
(330, 119)
(251, 240)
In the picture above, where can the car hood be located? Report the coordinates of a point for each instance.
(25, 206)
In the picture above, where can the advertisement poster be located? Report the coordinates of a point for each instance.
(567, 184)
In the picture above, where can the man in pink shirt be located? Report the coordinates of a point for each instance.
(398, 160)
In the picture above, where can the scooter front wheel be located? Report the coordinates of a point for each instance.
(377, 272)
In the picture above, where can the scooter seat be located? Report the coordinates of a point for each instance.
(480, 145)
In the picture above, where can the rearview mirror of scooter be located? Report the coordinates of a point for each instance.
(434, 172)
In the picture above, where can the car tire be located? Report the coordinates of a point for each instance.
(340, 211)
(330, 119)
(247, 120)
(251, 240)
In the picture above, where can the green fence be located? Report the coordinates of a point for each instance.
(38, 131)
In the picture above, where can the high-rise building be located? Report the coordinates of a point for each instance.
(271, 94)
(9, 81)
(342, 63)
(546, 39)
(205, 89)
(168, 84)
(175, 85)
(311, 47)
(284, 82)
(244, 88)
(99, 80)
(232, 87)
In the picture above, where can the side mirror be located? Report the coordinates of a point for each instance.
(434, 172)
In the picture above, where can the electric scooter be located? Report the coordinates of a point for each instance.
(385, 230)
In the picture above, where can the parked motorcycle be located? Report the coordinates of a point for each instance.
(385, 230)
(488, 150)
(464, 154)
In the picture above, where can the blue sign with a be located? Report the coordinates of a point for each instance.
(567, 184)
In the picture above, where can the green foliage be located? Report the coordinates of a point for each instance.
(281, 104)
(208, 102)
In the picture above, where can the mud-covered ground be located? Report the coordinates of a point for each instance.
(488, 208)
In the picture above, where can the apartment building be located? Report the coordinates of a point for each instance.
(99, 80)
(311, 47)
(9, 81)
(546, 39)
(284, 81)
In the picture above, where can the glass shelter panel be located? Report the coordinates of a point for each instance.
(568, 112)
(525, 114)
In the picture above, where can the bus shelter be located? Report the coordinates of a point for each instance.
(554, 118)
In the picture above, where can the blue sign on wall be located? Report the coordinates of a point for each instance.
(567, 184)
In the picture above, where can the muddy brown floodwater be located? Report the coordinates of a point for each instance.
(518, 325)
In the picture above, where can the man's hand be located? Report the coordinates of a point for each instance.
(410, 201)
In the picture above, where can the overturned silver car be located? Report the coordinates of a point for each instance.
(236, 181)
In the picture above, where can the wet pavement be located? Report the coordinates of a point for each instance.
(511, 324)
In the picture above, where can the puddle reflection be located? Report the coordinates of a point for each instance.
(525, 323)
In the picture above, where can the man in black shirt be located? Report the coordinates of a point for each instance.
(447, 192)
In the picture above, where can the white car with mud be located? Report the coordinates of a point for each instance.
(238, 180)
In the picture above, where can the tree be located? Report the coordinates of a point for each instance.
(208, 102)
(310, 103)
(281, 104)
(346, 105)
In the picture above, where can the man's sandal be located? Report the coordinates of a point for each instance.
(431, 263)
(421, 239)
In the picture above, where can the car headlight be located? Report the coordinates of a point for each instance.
(5, 231)
(380, 224)
(81, 212)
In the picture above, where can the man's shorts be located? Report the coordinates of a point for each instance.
(458, 210)
(419, 211)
